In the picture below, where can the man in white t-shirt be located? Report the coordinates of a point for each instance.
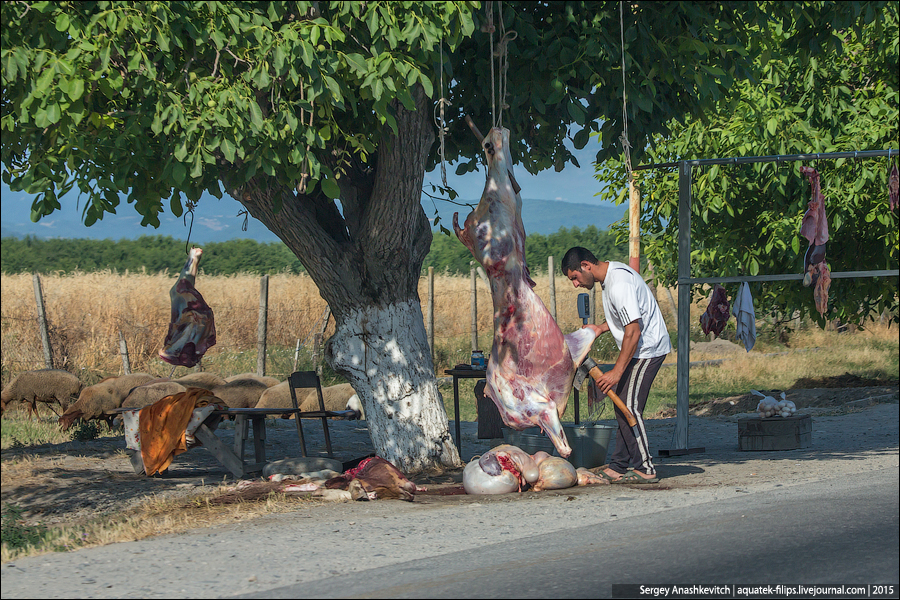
(635, 321)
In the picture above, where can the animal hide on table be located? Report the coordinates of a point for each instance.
(163, 424)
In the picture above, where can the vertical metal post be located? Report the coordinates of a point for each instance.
(261, 326)
(431, 311)
(474, 307)
(551, 275)
(680, 436)
(592, 318)
(42, 320)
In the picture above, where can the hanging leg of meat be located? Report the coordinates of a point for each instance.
(815, 229)
(532, 364)
(192, 329)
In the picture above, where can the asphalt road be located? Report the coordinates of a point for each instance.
(835, 532)
(823, 515)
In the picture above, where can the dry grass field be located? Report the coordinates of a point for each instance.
(87, 312)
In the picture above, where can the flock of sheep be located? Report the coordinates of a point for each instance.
(137, 390)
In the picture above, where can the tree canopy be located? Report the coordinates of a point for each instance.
(746, 218)
(289, 106)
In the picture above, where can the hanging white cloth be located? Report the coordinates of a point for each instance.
(743, 312)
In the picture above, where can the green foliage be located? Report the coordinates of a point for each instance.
(153, 253)
(86, 431)
(160, 100)
(746, 218)
(154, 99)
(15, 535)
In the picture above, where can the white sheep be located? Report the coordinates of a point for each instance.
(99, 400)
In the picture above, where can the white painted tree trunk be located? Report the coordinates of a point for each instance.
(384, 353)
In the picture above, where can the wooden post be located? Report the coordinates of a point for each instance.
(474, 307)
(261, 326)
(317, 344)
(296, 355)
(634, 226)
(551, 276)
(123, 350)
(431, 311)
(42, 320)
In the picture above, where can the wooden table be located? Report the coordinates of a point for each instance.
(458, 374)
(232, 458)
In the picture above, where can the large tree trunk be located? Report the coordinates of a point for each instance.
(366, 259)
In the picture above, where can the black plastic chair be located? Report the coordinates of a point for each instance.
(304, 380)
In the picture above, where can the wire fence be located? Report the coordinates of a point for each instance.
(96, 323)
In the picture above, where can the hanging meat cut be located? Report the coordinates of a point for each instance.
(717, 312)
(532, 364)
(894, 188)
(192, 330)
(815, 229)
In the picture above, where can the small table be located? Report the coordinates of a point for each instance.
(457, 375)
(480, 374)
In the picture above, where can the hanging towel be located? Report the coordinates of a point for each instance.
(745, 317)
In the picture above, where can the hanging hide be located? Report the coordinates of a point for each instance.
(192, 329)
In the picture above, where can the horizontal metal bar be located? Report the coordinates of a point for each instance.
(788, 277)
(740, 160)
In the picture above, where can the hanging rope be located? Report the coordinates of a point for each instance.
(501, 54)
(623, 137)
(440, 122)
(304, 173)
(190, 211)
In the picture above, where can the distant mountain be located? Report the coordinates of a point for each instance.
(542, 216)
(217, 221)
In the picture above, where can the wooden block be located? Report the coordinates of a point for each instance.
(489, 421)
(775, 433)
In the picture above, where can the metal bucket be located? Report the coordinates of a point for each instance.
(589, 442)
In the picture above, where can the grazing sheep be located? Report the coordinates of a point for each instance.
(203, 379)
(43, 385)
(269, 381)
(147, 394)
(355, 404)
(279, 396)
(98, 400)
(242, 393)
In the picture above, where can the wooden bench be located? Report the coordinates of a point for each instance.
(246, 418)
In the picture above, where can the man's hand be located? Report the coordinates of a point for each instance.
(597, 329)
(608, 380)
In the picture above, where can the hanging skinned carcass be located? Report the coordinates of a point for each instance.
(814, 228)
(532, 364)
(192, 329)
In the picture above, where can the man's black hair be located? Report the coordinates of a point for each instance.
(572, 260)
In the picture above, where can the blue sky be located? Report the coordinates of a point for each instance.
(217, 220)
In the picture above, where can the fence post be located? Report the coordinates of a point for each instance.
(296, 354)
(42, 320)
(317, 343)
(123, 350)
(431, 311)
(261, 327)
(474, 307)
(551, 275)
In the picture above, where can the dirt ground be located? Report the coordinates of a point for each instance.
(71, 482)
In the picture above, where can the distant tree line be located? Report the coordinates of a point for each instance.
(157, 253)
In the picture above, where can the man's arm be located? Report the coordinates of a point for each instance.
(629, 346)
